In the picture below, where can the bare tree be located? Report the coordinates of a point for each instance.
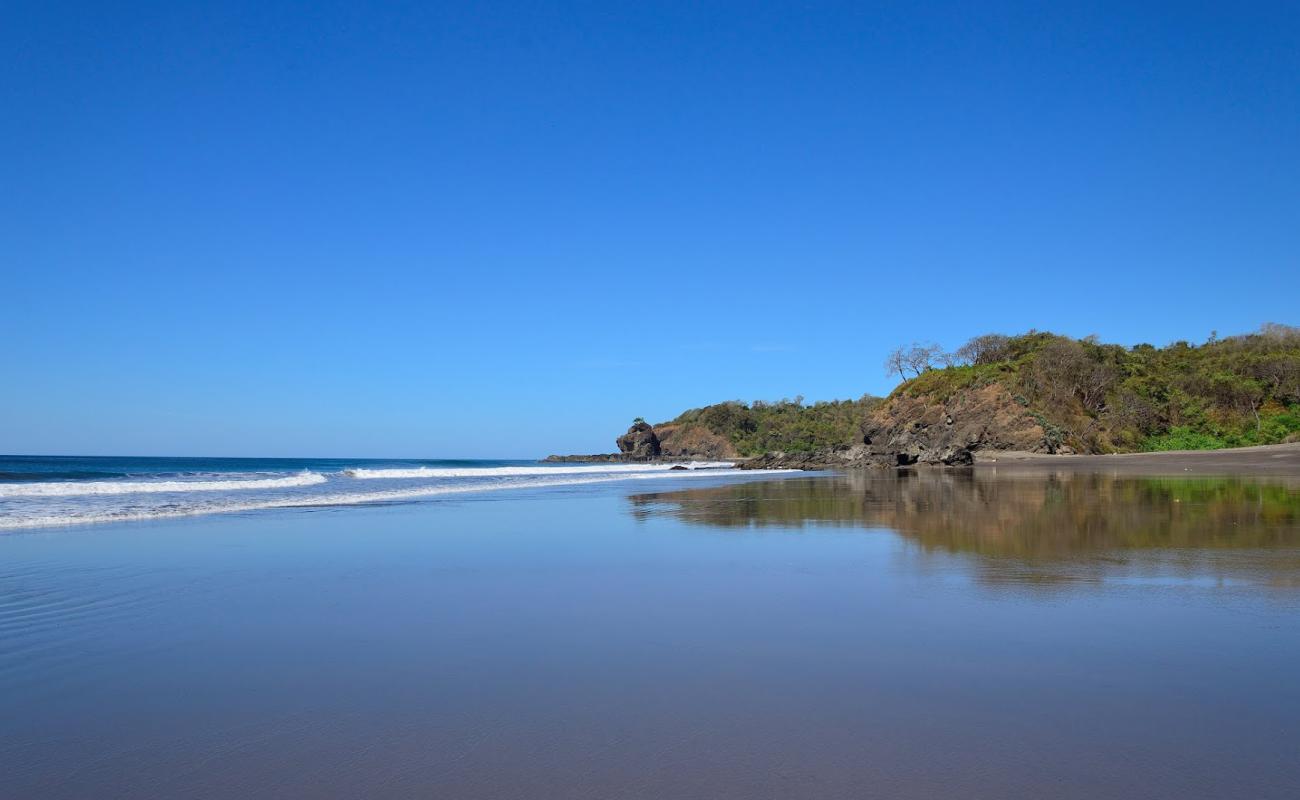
(896, 363)
(916, 359)
(1279, 332)
(921, 357)
(986, 349)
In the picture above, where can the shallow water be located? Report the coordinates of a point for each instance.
(939, 634)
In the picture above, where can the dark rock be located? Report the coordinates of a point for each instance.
(640, 441)
(961, 457)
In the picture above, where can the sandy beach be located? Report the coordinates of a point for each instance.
(1277, 459)
(911, 634)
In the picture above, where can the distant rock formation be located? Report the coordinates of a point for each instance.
(591, 458)
(640, 441)
(644, 442)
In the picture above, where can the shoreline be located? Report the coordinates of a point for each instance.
(1259, 459)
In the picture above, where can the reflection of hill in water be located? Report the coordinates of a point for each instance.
(1027, 519)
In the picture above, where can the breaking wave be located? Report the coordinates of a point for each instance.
(84, 517)
(72, 488)
(513, 472)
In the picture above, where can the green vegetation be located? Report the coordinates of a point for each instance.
(942, 384)
(1093, 397)
(788, 425)
(1183, 438)
(1232, 392)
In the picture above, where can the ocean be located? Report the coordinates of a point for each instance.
(44, 491)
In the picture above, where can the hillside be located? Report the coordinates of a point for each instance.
(1102, 398)
(1036, 392)
(786, 425)
(1043, 392)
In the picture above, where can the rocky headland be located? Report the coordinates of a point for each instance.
(1035, 393)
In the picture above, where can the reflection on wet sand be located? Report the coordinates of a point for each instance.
(1043, 527)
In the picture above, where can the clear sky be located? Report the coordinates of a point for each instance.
(482, 230)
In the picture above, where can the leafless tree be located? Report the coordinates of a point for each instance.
(896, 363)
(916, 359)
(1279, 332)
(986, 349)
(921, 357)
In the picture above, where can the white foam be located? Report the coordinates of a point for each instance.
(512, 472)
(333, 499)
(71, 488)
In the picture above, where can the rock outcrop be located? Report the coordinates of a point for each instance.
(693, 441)
(923, 430)
(927, 429)
(640, 441)
(591, 458)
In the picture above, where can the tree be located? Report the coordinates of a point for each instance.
(1065, 369)
(1278, 332)
(989, 348)
(917, 359)
(1243, 395)
(921, 357)
(896, 363)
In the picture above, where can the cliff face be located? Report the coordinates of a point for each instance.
(693, 441)
(928, 429)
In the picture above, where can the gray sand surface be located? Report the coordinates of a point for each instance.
(1278, 459)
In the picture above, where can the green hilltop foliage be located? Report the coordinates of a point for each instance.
(789, 425)
(1099, 398)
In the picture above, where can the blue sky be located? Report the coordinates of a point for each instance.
(488, 230)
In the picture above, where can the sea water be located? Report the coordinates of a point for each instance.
(42, 491)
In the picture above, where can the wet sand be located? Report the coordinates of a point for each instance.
(1276, 459)
(941, 633)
